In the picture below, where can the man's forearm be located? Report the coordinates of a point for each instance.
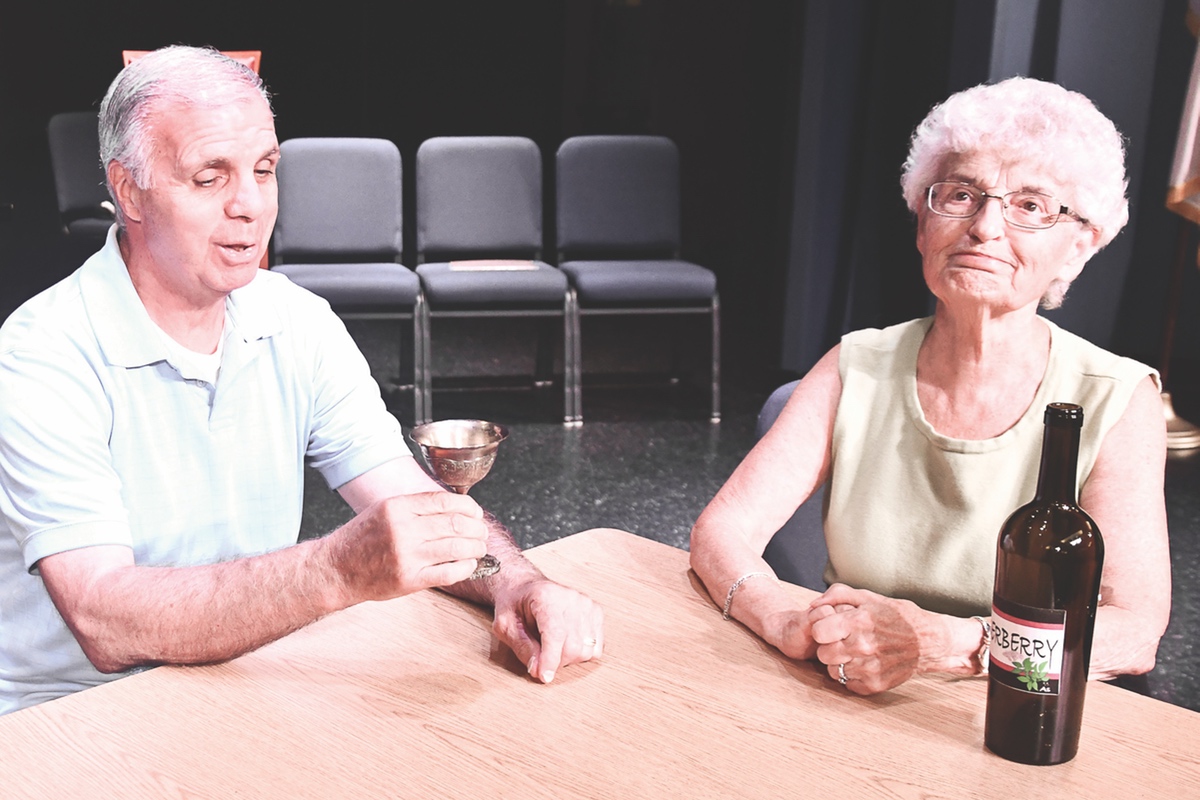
(514, 567)
(133, 615)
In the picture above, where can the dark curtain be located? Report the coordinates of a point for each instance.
(871, 72)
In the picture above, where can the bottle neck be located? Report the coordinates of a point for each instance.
(1060, 455)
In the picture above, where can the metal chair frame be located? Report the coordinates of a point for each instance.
(569, 313)
(711, 308)
(714, 312)
(570, 317)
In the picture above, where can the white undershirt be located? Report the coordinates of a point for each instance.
(193, 365)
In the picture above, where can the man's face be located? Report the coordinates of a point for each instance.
(206, 217)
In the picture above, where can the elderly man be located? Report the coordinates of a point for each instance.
(158, 407)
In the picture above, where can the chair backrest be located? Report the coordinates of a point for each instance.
(479, 195)
(617, 195)
(339, 200)
(75, 160)
(797, 552)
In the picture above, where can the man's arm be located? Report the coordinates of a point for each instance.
(547, 625)
(124, 615)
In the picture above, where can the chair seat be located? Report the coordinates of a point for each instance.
(445, 286)
(95, 227)
(357, 286)
(657, 281)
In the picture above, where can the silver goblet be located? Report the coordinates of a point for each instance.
(460, 452)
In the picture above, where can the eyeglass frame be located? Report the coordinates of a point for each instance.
(1063, 211)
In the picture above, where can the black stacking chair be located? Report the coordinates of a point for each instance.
(83, 202)
(619, 239)
(339, 235)
(797, 552)
(479, 243)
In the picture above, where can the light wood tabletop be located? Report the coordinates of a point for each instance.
(414, 698)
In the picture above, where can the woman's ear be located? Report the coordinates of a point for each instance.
(1085, 245)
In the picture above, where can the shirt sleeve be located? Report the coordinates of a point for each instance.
(60, 489)
(352, 431)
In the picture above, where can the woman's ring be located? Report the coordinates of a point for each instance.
(842, 674)
(589, 642)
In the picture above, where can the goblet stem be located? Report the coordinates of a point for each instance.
(489, 564)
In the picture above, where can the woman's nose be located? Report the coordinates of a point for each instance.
(988, 222)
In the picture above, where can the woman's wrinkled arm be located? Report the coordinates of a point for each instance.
(779, 474)
(1124, 495)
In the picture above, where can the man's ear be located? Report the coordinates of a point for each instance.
(125, 191)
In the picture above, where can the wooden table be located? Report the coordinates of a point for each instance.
(413, 698)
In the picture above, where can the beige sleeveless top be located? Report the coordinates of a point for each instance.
(913, 514)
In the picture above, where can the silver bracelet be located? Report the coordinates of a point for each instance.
(736, 584)
(982, 655)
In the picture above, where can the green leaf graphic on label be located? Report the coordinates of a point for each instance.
(1034, 676)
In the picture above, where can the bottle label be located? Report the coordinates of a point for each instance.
(1026, 649)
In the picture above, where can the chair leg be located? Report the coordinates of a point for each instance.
(543, 362)
(409, 373)
(572, 354)
(418, 361)
(716, 358)
(569, 372)
(426, 363)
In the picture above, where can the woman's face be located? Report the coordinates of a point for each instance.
(987, 262)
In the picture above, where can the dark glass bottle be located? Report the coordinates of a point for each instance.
(1048, 561)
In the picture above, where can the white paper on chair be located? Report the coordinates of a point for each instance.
(493, 265)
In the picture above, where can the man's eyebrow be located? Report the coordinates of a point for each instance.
(214, 163)
(274, 151)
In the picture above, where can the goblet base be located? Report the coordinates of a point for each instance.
(488, 565)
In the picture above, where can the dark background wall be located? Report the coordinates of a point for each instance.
(792, 119)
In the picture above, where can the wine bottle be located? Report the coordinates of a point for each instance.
(1048, 560)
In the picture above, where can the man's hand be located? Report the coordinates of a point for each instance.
(548, 626)
(410, 542)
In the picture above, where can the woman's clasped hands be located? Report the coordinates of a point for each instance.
(869, 643)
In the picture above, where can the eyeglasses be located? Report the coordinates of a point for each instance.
(1030, 210)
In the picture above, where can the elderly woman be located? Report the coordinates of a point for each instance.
(929, 432)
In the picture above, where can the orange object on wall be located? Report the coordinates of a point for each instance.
(251, 58)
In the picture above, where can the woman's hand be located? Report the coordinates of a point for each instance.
(790, 632)
(874, 639)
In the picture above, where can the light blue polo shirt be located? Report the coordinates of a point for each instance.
(104, 441)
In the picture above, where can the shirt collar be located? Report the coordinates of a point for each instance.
(124, 330)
